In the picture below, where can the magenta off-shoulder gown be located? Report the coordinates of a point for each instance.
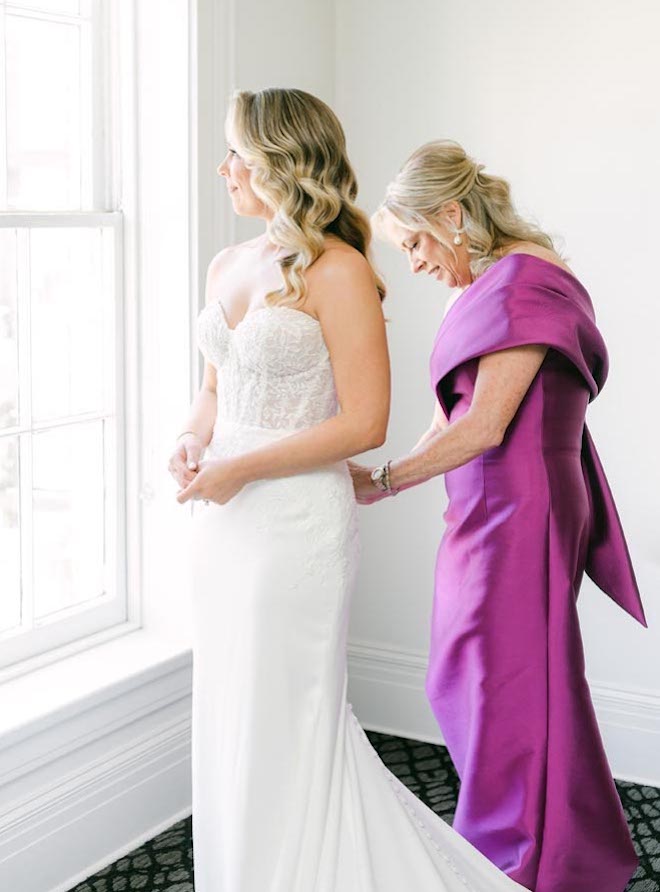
(506, 676)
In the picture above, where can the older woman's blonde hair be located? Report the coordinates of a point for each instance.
(440, 171)
(295, 147)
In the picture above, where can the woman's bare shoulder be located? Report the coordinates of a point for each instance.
(228, 260)
(341, 276)
(338, 260)
(232, 253)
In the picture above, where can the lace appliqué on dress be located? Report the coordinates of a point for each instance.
(274, 368)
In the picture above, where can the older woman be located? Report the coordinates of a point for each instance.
(515, 362)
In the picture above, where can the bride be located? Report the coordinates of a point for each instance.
(288, 793)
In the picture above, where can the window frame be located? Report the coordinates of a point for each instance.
(115, 191)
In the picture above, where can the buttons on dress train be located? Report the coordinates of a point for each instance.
(393, 781)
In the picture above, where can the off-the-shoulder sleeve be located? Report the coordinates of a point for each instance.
(511, 314)
(527, 302)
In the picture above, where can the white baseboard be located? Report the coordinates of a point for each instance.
(84, 793)
(80, 795)
(386, 688)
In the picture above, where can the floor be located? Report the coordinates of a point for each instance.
(166, 862)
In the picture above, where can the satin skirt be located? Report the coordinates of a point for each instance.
(507, 677)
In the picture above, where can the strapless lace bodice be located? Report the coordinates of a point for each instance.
(274, 368)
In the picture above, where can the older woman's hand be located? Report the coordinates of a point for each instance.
(365, 491)
(217, 480)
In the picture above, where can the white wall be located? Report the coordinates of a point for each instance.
(249, 45)
(559, 98)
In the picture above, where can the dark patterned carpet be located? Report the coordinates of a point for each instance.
(166, 862)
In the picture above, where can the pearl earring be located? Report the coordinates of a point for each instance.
(457, 236)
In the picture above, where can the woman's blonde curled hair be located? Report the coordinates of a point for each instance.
(441, 171)
(296, 150)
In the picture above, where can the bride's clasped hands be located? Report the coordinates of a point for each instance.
(212, 480)
(217, 480)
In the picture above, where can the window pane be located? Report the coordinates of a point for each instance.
(70, 7)
(8, 330)
(66, 274)
(68, 505)
(10, 542)
(44, 117)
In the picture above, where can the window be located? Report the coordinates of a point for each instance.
(62, 525)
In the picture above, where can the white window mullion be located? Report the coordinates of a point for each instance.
(50, 219)
(3, 109)
(88, 132)
(113, 439)
(25, 423)
(96, 44)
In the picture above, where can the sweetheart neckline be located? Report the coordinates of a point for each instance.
(223, 314)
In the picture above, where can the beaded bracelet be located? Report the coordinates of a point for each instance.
(388, 483)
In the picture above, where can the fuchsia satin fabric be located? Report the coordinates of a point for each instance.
(506, 676)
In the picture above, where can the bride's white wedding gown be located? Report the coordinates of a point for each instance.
(288, 793)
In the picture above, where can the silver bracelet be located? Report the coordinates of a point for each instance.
(388, 482)
(380, 477)
(194, 433)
